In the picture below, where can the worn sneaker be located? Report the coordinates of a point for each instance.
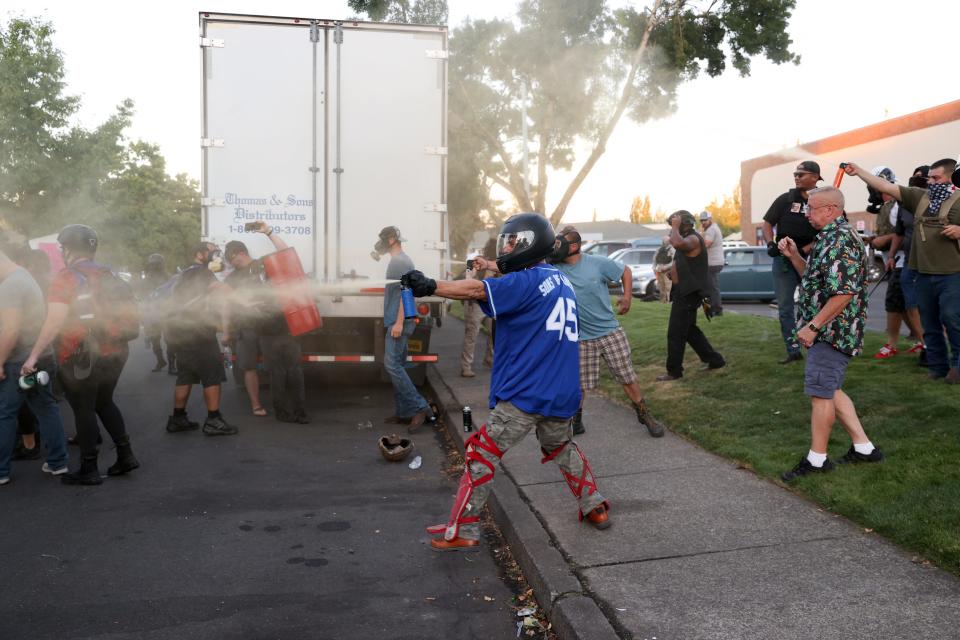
(4, 480)
(917, 347)
(794, 356)
(888, 351)
(852, 456)
(804, 468)
(218, 427)
(181, 423)
(23, 453)
(46, 468)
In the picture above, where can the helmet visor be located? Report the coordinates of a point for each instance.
(510, 242)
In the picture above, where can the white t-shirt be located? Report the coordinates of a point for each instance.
(714, 251)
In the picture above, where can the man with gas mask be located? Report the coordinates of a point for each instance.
(193, 335)
(410, 407)
(535, 381)
(787, 215)
(690, 278)
(601, 335)
(154, 275)
(91, 350)
(889, 213)
(935, 256)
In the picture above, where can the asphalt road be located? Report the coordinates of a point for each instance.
(284, 531)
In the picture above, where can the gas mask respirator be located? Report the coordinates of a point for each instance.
(214, 261)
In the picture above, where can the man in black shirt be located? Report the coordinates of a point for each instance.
(788, 215)
(193, 334)
(690, 277)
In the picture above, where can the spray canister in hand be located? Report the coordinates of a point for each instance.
(37, 378)
(467, 419)
(409, 305)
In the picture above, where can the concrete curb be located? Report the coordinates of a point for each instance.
(574, 615)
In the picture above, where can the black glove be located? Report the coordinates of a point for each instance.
(772, 250)
(420, 284)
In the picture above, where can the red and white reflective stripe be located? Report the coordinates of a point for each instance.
(430, 357)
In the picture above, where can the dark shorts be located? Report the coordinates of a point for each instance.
(894, 302)
(248, 348)
(200, 364)
(825, 370)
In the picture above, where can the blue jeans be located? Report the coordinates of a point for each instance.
(785, 283)
(908, 284)
(939, 298)
(407, 400)
(44, 407)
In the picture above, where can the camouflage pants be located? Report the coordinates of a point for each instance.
(507, 426)
(473, 318)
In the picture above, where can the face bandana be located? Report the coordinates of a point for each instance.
(938, 193)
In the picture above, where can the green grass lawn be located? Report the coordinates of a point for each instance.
(754, 412)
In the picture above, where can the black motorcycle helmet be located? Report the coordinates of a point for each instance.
(79, 238)
(525, 239)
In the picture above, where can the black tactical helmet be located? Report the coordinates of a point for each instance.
(686, 218)
(79, 238)
(525, 239)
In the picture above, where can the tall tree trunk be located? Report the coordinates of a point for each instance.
(601, 145)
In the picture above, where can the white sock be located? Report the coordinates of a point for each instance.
(866, 448)
(816, 459)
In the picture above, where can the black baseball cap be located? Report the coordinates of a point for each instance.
(811, 167)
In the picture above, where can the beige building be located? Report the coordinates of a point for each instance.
(899, 143)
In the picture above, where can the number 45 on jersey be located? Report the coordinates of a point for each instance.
(563, 320)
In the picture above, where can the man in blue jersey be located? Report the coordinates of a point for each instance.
(535, 380)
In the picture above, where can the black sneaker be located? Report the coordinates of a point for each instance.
(852, 456)
(791, 357)
(218, 427)
(181, 423)
(23, 453)
(804, 468)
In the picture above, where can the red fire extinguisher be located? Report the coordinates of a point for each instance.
(286, 273)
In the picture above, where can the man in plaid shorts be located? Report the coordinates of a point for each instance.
(601, 335)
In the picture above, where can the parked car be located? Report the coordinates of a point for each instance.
(604, 248)
(747, 274)
(640, 261)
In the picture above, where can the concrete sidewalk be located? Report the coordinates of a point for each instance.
(699, 548)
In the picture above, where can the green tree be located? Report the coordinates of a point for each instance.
(585, 66)
(416, 12)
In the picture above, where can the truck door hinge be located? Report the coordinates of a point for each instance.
(435, 246)
(212, 42)
(435, 207)
(338, 33)
(314, 31)
(211, 142)
(438, 54)
(435, 151)
(213, 202)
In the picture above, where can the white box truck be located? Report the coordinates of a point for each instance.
(329, 131)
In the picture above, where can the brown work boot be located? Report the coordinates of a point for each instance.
(457, 544)
(599, 517)
(425, 415)
(654, 427)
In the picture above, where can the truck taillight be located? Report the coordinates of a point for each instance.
(423, 308)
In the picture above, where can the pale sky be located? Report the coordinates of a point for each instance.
(862, 62)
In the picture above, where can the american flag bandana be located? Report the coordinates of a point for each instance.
(938, 193)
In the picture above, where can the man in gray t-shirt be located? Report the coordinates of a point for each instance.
(22, 312)
(713, 238)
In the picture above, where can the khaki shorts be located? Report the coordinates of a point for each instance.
(615, 349)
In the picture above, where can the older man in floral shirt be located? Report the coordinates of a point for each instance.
(831, 313)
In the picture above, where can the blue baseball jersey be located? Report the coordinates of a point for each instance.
(536, 364)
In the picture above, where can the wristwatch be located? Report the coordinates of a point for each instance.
(813, 328)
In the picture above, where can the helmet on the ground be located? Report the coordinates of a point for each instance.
(394, 448)
(79, 238)
(525, 239)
